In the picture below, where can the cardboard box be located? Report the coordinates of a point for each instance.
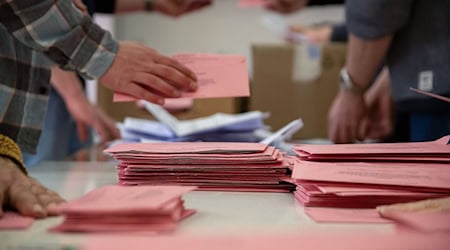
(201, 107)
(274, 89)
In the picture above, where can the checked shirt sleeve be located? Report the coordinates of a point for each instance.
(63, 33)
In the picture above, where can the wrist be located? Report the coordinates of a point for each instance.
(348, 85)
(9, 151)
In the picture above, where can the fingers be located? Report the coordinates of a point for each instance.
(82, 131)
(139, 92)
(25, 200)
(80, 5)
(180, 67)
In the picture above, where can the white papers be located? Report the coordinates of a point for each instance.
(206, 124)
(284, 133)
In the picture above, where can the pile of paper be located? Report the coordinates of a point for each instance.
(208, 165)
(368, 175)
(217, 127)
(119, 209)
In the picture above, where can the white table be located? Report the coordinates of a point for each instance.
(218, 213)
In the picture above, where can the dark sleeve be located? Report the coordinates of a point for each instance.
(339, 33)
(325, 2)
(371, 19)
(100, 6)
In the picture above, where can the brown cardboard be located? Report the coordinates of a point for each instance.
(274, 90)
(201, 107)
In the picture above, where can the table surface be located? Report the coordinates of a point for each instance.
(218, 213)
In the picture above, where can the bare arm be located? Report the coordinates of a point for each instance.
(347, 119)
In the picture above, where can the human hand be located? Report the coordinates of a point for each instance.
(380, 107)
(286, 6)
(141, 72)
(80, 5)
(22, 192)
(82, 111)
(347, 119)
(179, 7)
(319, 34)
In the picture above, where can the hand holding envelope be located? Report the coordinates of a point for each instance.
(218, 76)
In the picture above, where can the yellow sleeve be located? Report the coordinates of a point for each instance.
(9, 149)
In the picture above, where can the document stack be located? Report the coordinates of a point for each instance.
(119, 209)
(208, 165)
(368, 175)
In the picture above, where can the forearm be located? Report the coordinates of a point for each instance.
(67, 84)
(364, 58)
(62, 32)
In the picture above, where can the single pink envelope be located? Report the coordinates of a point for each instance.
(345, 215)
(218, 76)
(430, 175)
(13, 220)
(438, 147)
(188, 147)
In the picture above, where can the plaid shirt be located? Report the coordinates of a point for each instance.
(30, 32)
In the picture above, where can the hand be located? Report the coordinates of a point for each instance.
(380, 106)
(141, 72)
(319, 34)
(22, 192)
(286, 6)
(80, 5)
(347, 120)
(83, 112)
(179, 7)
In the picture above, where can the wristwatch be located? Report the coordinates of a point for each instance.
(347, 84)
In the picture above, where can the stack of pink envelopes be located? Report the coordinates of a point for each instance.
(208, 165)
(120, 208)
(368, 175)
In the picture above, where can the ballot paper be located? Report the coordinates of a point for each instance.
(304, 239)
(276, 23)
(14, 221)
(438, 150)
(119, 208)
(218, 76)
(343, 215)
(208, 165)
(218, 122)
(427, 222)
(439, 97)
(369, 175)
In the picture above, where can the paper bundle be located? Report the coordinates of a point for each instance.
(368, 175)
(119, 209)
(208, 165)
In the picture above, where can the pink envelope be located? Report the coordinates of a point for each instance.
(432, 175)
(430, 222)
(114, 199)
(13, 220)
(345, 215)
(218, 76)
(189, 147)
(439, 148)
